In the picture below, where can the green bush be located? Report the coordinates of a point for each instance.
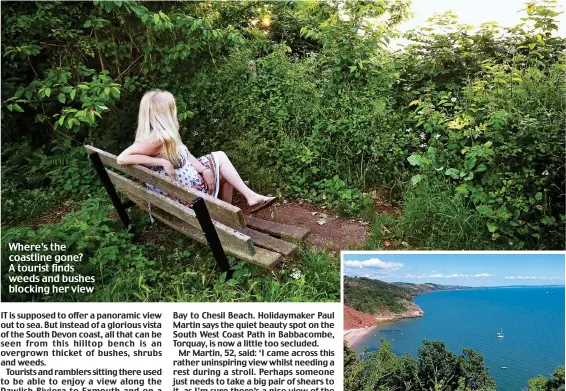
(434, 217)
(435, 368)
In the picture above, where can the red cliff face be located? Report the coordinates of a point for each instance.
(354, 319)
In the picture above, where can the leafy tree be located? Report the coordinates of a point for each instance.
(555, 383)
(434, 369)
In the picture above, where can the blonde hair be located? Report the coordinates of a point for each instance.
(157, 121)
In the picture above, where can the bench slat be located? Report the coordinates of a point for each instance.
(228, 236)
(219, 210)
(269, 242)
(278, 229)
(262, 257)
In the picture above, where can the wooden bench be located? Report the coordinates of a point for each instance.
(210, 220)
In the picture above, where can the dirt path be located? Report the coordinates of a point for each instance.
(328, 231)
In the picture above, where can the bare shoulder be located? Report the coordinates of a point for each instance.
(146, 147)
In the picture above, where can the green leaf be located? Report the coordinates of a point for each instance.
(115, 91)
(418, 160)
(107, 90)
(453, 172)
(61, 98)
(416, 179)
(87, 24)
(471, 162)
(484, 210)
(47, 91)
(155, 18)
(73, 93)
(19, 93)
(491, 227)
(538, 196)
(548, 220)
(481, 167)
(414, 160)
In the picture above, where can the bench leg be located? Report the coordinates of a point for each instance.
(211, 236)
(121, 208)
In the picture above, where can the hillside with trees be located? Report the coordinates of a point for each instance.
(372, 296)
(428, 287)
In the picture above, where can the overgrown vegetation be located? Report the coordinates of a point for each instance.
(370, 296)
(555, 383)
(435, 368)
(162, 265)
(463, 127)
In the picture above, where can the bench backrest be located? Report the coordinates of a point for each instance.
(219, 210)
(141, 195)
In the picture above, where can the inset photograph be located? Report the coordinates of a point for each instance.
(453, 321)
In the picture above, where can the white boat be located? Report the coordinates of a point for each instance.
(500, 335)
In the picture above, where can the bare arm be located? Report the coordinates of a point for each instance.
(195, 163)
(143, 153)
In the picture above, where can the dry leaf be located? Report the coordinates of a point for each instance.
(321, 221)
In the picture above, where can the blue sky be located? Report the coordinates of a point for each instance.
(459, 269)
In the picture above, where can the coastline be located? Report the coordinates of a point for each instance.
(353, 336)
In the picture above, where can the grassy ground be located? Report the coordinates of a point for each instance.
(160, 264)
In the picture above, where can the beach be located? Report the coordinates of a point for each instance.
(358, 325)
(353, 336)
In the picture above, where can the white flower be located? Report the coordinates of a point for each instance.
(545, 172)
(423, 145)
(408, 130)
(453, 99)
(420, 112)
(423, 136)
(296, 274)
(437, 136)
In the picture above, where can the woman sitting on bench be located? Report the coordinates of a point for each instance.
(158, 145)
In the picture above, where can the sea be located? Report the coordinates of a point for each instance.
(531, 320)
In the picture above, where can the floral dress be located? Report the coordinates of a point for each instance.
(188, 176)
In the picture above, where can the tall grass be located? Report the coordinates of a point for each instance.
(434, 218)
(160, 264)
